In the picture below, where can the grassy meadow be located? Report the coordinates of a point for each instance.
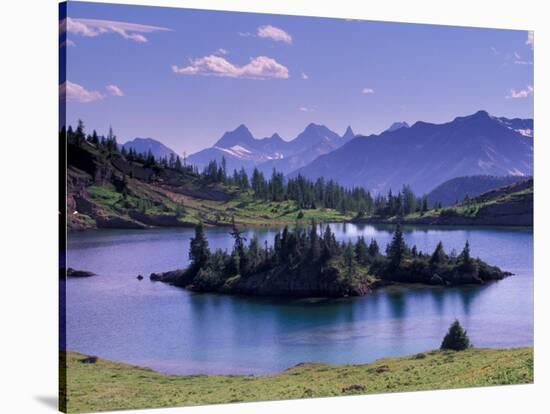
(156, 200)
(106, 385)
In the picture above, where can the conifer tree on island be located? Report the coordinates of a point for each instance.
(397, 249)
(198, 248)
(305, 261)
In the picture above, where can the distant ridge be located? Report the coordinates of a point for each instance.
(424, 155)
(144, 145)
(396, 125)
(455, 189)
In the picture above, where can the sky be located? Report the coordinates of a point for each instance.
(184, 76)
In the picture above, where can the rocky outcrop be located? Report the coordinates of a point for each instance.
(78, 273)
(174, 277)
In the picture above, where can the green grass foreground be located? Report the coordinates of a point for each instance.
(106, 385)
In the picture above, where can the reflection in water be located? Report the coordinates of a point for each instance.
(169, 329)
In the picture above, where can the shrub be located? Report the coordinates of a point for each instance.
(456, 338)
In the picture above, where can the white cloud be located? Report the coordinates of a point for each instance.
(114, 90)
(516, 55)
(367, 91)
(522, 93)
(305, 109)
(530, 39)
(260, 67)
(274, 33)
(73, 92)
(95, 27)
(304, 76)
(221, 51)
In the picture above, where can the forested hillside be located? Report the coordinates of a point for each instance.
(109, 186)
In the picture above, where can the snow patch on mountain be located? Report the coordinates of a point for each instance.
(237, 151)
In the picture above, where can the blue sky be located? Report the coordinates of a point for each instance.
(185, 77)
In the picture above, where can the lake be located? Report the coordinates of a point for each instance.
(117, 317)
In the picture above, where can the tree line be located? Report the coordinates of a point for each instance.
(319, 193)
(308, 251)
(306, 193)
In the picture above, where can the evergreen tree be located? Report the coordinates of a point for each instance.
(79, 133)
(258, 184)
(178, 165)
(277, 248)
(424, 204)
(315, 245)
(456, 338)
(277, 186)
(466, 263)
(233, 268)
(254, 258)
(198, 248)
(374, 250)
(409, 200)
(361, 251)
(239, 247)
(349, 259)
(224, 169)
(329, 243)
(397, 249)
(438, 256)
(95, 138)
(149, 159)
(243, 179)
(111, 143)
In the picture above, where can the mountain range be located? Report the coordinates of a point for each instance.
(422, 155)
(241, 149)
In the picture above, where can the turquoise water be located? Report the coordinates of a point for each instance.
(117, 317)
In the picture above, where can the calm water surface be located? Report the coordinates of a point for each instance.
(117, 317)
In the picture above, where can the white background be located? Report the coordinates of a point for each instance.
(28, 202)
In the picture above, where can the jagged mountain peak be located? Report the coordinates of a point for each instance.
(239, 136)
(349, 134)
(312, 126)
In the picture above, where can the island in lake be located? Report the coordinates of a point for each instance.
(311, 263)
(226, 235)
